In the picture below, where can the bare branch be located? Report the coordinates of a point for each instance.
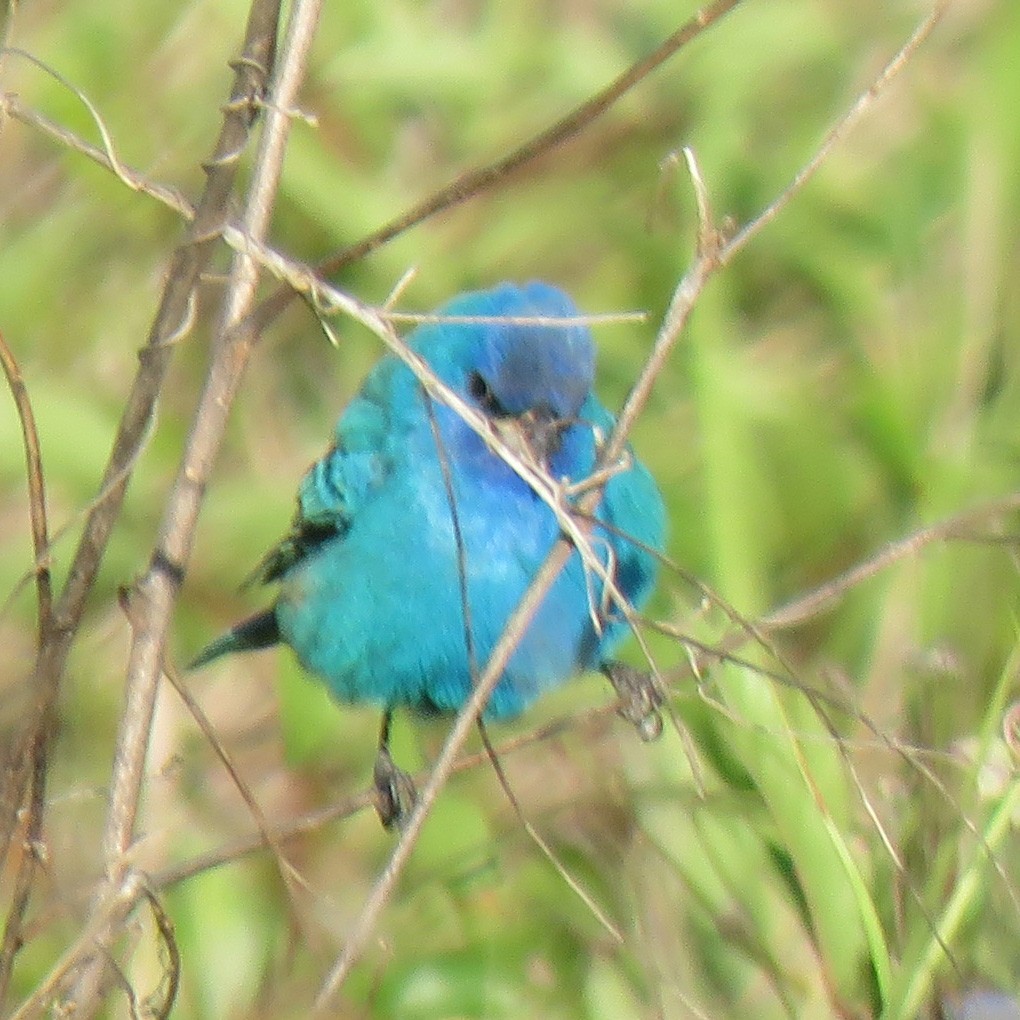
(288, 873)
(48, 989)
(863, 104)
(958, 527)
(12, 106)
(156, 592)
(186, 267)
(572, 883)
(175, 308)
(36, 486)
(33, 741)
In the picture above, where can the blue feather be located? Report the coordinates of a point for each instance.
(370, 595)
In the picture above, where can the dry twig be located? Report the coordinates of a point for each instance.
(175, 308)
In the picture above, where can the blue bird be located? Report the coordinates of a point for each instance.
(410, 516)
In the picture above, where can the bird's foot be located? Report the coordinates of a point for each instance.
(640, 699)
(396, 794)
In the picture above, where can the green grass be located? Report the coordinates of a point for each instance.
(852, 377)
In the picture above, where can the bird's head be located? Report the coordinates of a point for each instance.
(530, 379)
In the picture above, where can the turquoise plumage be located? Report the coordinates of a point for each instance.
(370, 587)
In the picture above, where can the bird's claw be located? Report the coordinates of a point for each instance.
(640, 700)
(396, 794)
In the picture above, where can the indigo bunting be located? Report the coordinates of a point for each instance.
(410, 517)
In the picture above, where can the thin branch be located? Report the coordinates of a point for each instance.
(536, 837)
(12, 106)
(65, 136)
(19, 756)
(863, 104)
(826, 596)
(47, 990)
(175, 308)
(81, 513)
(514, 631)
(187, 264)
(282, 832)
(475, 181)
(156, 592)
(472, 660)
(288, 873)
(33, 741)
(29, 861)
(36, 487)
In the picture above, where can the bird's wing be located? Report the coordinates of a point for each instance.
(337, 485)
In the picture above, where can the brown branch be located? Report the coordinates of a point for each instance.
(824, 598)
(36, 486)
(862, 105)
(32, 847)
(175, 308)
(47, 990)
(282, 832)
(186, 266)
(155, 594)
(158, 589)
(32, 743)
(959, 527)
(572, 883)
(466, 719)
(12, 106)
(473, 182)
(288, 874)
(18, 757)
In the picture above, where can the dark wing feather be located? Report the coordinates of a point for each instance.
(303, 538)
(337, 485)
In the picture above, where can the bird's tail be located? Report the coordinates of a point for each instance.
(259, 631)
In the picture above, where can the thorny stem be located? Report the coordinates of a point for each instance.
(189, 259)
(21, 755)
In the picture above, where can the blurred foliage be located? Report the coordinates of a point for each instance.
(850, 378)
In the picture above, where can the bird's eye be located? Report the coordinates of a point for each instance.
(481, 393)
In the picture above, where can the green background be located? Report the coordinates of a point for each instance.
(851, 378)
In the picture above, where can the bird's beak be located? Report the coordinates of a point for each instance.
(534, 435)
